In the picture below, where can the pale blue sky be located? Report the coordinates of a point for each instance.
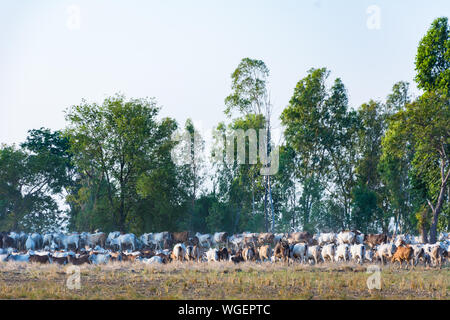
(183, 52)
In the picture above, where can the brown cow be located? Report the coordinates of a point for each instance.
(78, 260)
(237, 257)
(60, 260)
(192, 253)
(40, 258)
(375, 239)
(223, 254)
(265, 252)
(265, 238)
(165, 258)
(403, 253)
(281, 251)
(297, 237)
(180, 237)
(249, 253)
(130, 257)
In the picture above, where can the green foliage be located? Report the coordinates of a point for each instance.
(433, 58)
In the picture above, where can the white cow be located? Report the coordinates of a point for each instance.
(298, 251)
(342, 252)
(212, 255)
(328, 252)
(368, 255)
(204, 239)
(385, 251)
(325, 238)
(358, 252)
(179, 252)
(313, 253)
(346, 237)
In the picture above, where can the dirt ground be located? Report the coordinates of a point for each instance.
(204, 281)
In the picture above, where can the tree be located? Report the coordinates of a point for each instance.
(322, 131)
(31, 178)
(433, 58)
(250, 97)
(114, 145)
(425, 123)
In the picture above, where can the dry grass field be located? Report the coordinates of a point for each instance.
(221, 281)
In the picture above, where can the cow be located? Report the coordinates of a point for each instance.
(212, 255)
(154, 260)
(281, 251)
(313, 253)
(248, 253)
(237, 241)
(326, 238)
(128, 240)
(204, 239)
(250, 239)
(223, 254)
(163, 238)
(385, 251)
(298, 251)
(78, 259)
(8, 241)
(297, 237)
(418, 253)
(220, 238)
(328, 252)
(435, 253)
(131, 256)
(59, 259)
(265, 238)
(346, 237)
(192, 253)
(237, 257)
(40, 257)
(357, 252)
(100, 258)
(342, 252)
(265, 252)
(70, 240)
(375, 239)
(403, 253)
(180, 237)
(179, 252)
(96, 239)
(19, 257)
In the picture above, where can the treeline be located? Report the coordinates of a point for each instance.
(381, 167)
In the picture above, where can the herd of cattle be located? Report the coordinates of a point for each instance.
(164, 247)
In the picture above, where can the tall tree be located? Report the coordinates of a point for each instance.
(250, 96)
(113, 144)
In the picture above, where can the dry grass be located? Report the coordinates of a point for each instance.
(190, 280)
